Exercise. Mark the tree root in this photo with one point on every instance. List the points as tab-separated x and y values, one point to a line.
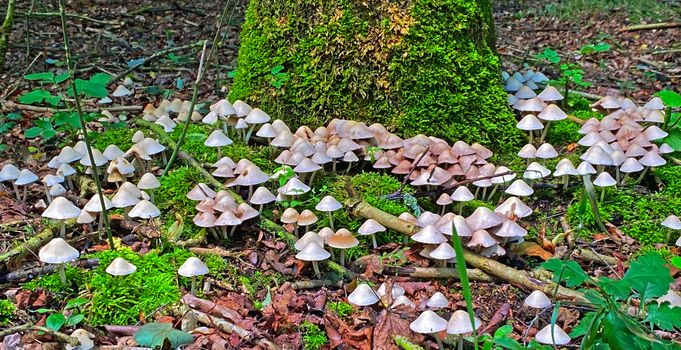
489	266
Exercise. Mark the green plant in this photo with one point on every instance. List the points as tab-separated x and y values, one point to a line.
162	335
590	49
313	337
57	320
570	73
611	321
672	100
7	311
502	340
278	77
340	308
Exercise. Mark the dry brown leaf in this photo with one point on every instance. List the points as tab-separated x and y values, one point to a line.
532	249
387	325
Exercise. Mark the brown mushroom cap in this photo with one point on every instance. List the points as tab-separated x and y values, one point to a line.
342	239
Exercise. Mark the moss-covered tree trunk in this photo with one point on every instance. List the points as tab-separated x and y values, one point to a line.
5	31
417	66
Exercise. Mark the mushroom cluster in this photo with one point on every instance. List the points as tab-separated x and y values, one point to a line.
218	212
168	113
18	178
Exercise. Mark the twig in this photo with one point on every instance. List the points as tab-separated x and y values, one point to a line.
29	326
15	86
313	284
651	26
69	15
154	56
39	271
413	167
32	244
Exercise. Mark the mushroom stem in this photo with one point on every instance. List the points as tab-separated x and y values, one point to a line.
311	178
643	173
342	258
439	342
224	125
69	182
295	229
250	192
347	171
47	194
373	240
484	193
546	130
126	211
232	230
624	179
460	207
565	182
333	161
193	291
617	174
62	229
23	198
494	190
219	152
317	273
529	140
475	195
165	159
62	274
248	134
330	219
260	208
460	347
602	194
16	191
669	235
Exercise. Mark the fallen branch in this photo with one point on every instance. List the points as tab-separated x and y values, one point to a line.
154	56
32	244
210	308
651	26
73	341
313	284
224	326
594	257
437	273
69	15
221	252
40	271
586	94
17	106
492	267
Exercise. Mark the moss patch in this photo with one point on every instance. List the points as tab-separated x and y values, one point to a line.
121	137
417	66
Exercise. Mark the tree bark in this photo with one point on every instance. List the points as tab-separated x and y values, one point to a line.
5	32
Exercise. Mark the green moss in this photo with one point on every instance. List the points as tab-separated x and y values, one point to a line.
7	312
340	308
313	337
416	66
122	300
670	175
121	137
171	197
75	279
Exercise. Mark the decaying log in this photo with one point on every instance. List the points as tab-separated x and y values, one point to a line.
494	268
224	326
44	270
221	252
34	243
438	272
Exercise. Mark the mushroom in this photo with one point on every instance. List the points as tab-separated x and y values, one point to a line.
650	160
94	205
193	267
539	301
462	194
86	217
148	182
462	323
604	180
342	239
565	168
262	196
519	188
144	210
314	253
363	295
217	139
546	151
306	218
57	191
429	322
290	216
294	187
58	252
120	267
552	335
126	197
307	166
67	172
671	222
631	165
328	204
370	228
121	91
61	210
50	181
254	117
443	201
25	178
550	113
443	253
402	300
307	238
429	235
437	301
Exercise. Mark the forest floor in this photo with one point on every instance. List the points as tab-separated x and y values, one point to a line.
256	284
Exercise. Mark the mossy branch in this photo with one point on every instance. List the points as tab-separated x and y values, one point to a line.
33	244
492	267
5	31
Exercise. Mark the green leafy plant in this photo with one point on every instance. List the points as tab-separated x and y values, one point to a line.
341	308
611	321
571	74
70	316
159	335
278	77
502	340
594	48
7	311
313	337
7	123
672	100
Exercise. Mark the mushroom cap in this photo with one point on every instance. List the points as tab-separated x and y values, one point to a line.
306	218
224	161
427	218
604	180
227	218
144	210
257	116
631	165
525	92
596	155
444	251
428	322
148	182
121	91
519	188
57	251
512	84
672	222
460	323
585	168
25	177
51	180
672	297
342	239
241	108
402	300
57	190
462	194
306	166
530	122
223	108
326	233
546	151
653	132
363	295
112	152
370	227
250	176
429	235
395	291
217	139
565	167
266	131
444	199
483	218
651	159
97	155
538	300
536	171
308	237
312	251
437	301
122	199
513	206
69	155
241	124
655	103
481	238
550	93
545	336
463	229
294	187
528	151
510	229
200	192
262	196
552	113
290	216
86	217
120	267
202	219
192	267
61	209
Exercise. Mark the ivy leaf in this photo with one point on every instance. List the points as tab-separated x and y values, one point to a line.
670	98
674	139
648	276
664	316
572	273
74	319
55	321
33	132
35	96
155	334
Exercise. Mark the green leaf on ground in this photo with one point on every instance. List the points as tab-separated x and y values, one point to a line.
664	316
648	276
572	274
155	334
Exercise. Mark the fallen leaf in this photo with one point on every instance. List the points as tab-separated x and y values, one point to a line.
387	325
335	338
531	249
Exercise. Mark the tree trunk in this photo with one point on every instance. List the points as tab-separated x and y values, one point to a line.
5	31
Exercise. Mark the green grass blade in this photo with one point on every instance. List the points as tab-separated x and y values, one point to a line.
465	284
